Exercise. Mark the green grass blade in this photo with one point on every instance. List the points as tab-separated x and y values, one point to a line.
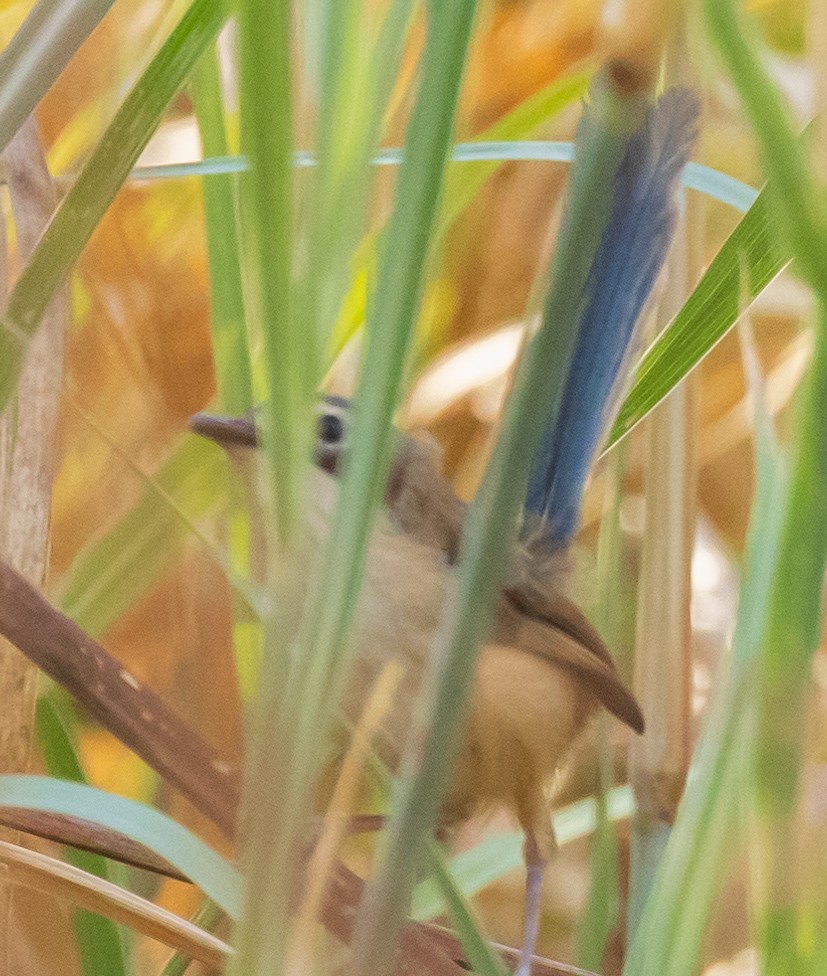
267	201
98	939
490	524
478	950
708	831
229	332
750	259
357	78
320	668
207	917
87	201
496	856
794	613
213	874
42	47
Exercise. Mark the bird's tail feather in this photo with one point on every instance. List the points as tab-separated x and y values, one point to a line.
627	261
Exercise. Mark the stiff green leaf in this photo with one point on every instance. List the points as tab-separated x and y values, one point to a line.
212	873
110	164
42	47
750	259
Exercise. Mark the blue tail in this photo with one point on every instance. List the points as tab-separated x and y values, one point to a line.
632	250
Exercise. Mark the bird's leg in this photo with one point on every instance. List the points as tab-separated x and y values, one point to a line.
535	863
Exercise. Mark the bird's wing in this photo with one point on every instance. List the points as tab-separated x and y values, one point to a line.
551	627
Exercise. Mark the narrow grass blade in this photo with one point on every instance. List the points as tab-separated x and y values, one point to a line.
110	164
794	613
477	948
214	875
38	52
298	749
229	333
267	202
705	837
752	255
206	918
496	856
490	524
98	940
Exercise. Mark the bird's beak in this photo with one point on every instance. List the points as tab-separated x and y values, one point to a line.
226	431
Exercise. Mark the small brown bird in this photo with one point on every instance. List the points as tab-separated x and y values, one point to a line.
541	674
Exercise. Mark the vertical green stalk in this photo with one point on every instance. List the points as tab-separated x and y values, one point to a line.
489	531
296	739
357	79
266	197
794	611
791	637
265	98
229	335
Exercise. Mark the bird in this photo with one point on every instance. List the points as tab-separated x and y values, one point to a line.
542	672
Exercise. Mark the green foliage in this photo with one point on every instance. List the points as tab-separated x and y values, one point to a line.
213	874
229	331
747	262
487	532
477	948
98	941
794	605
708	833
86	202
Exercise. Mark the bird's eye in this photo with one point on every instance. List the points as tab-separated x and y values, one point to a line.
331	429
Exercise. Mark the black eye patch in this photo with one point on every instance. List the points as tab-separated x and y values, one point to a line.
331	429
